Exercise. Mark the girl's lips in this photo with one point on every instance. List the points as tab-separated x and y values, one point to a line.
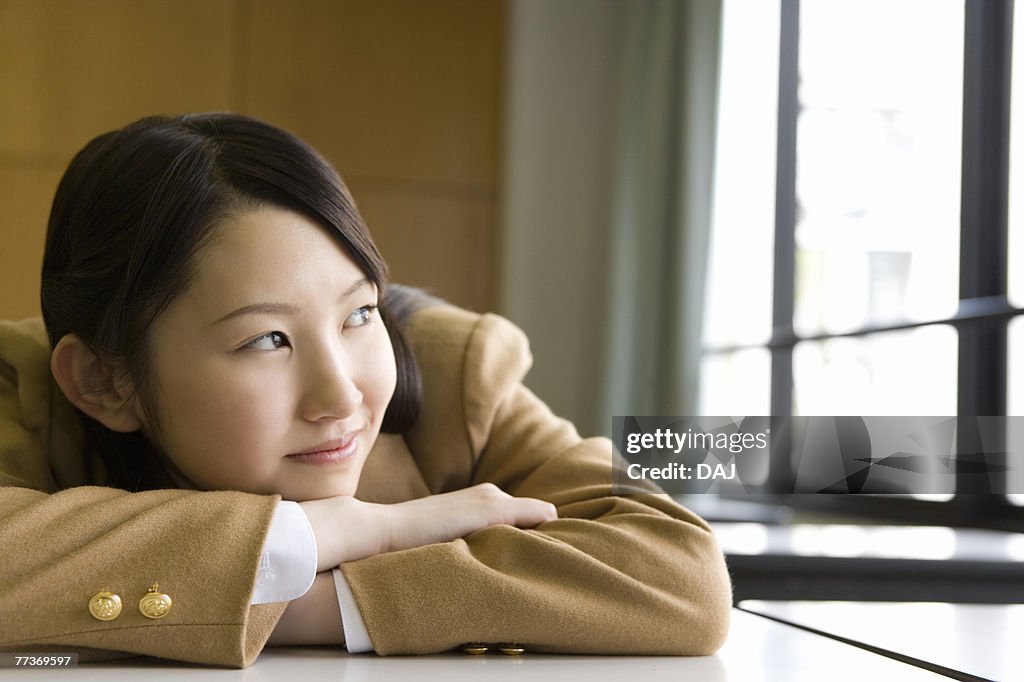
332	452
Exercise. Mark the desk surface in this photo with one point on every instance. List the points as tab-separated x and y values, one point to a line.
758	650
976	639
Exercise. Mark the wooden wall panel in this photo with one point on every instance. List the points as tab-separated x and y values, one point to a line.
25	195
74	68
405	89
439	242
403	96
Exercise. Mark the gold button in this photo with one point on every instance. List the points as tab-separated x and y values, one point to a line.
475	648
105	606
155	604
511	648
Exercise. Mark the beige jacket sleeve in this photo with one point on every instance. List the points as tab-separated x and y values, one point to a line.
613	574
60	547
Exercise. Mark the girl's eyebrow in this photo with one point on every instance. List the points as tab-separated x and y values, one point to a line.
282	308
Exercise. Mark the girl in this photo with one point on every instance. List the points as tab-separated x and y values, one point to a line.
233	431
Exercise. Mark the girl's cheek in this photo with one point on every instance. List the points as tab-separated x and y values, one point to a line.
383	370
227	408
252	413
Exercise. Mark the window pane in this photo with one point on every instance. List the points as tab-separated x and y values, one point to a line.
1015	401
897	373
739	288
1015	367
736	384
1016	222
878	162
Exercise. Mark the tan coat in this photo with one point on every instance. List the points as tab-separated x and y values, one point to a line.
627	575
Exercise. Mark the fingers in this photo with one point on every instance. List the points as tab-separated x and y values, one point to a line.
498	507
530	512
447	516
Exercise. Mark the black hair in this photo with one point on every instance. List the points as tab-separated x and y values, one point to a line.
132	211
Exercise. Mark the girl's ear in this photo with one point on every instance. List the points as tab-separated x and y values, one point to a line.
94	386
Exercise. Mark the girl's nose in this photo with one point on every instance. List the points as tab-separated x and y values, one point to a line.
330	391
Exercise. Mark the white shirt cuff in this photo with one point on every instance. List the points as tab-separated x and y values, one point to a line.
288	563
357	639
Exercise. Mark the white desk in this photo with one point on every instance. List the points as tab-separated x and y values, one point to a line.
758	650
976	639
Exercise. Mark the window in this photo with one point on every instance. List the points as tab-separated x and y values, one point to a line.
867	257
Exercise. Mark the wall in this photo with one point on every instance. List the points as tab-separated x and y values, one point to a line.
402	96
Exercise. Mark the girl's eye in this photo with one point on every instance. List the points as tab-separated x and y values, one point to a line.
361	316
269	341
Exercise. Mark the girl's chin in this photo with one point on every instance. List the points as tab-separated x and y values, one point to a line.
315	486
318	491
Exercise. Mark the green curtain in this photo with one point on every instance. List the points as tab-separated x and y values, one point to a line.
660	207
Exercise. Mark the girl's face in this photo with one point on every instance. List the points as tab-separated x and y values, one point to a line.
273	370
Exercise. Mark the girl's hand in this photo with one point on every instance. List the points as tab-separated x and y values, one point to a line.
347	529
444	517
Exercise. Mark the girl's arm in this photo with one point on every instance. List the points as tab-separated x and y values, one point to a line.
201	548
347	529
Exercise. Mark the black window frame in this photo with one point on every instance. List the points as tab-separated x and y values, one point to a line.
984	312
